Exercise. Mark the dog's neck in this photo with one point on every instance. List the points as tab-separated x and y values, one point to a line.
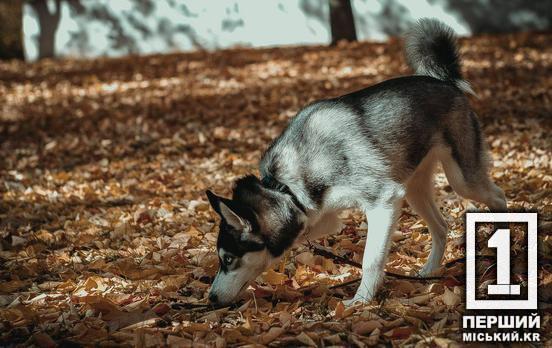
295	226
272	183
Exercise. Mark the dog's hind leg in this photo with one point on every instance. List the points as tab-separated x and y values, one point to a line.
466	162
474	184
419	194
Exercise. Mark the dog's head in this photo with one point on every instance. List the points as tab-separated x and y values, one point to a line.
257	225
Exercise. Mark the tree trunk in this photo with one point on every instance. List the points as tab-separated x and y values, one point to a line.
11	29
48	26
342	21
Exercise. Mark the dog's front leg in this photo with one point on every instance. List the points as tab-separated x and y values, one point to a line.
381	223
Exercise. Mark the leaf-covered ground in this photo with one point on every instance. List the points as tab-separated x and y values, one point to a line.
106	236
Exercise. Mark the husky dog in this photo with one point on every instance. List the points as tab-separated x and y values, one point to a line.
370	149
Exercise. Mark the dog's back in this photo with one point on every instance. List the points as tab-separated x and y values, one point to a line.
345	147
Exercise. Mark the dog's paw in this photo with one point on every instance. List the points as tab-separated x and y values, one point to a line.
356	300
430	270
426	272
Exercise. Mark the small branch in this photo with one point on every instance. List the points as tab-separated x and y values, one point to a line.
342	285
181	305
318	250
404	276
200	307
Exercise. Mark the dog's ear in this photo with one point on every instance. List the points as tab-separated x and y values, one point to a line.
214	200
232	218
222	208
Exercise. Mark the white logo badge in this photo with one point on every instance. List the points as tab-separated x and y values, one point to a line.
500	240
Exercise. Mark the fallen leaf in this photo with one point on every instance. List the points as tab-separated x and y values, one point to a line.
306	340
450	298
365	327
271	335
274	278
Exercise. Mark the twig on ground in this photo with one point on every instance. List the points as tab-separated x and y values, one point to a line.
183	305
342	285
318	250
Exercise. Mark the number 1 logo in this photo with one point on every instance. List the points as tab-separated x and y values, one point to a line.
500	240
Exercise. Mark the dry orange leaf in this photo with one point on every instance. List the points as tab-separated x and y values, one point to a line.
274	278
366	327
450	298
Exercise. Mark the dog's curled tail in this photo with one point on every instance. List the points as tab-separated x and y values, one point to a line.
431	50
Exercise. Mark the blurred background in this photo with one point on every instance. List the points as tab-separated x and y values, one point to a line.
104	163
34	29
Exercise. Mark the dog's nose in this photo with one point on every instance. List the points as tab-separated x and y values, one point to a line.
213	298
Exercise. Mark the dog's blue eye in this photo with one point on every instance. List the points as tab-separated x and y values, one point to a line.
228	260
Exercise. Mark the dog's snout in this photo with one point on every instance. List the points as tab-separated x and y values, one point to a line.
213	298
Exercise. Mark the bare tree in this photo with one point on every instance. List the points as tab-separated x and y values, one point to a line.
11	29
342	21
48	26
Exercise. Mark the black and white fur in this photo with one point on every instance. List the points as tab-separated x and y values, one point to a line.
370	149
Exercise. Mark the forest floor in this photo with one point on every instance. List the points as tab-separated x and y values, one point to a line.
106	236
